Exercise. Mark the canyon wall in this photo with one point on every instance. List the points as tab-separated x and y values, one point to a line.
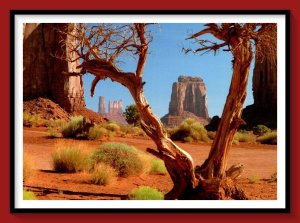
42	72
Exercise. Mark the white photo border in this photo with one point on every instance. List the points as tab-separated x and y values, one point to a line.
280	17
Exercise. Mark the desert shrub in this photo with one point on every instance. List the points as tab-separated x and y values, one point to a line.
211	135
268	138
253	179
190	129
188	139
235	141
69	159
96	133
124	158
28	195
158	167
33	120
146	193
261	130
73	127
27	167
57	124
53	133
131	131
103	174
112	127
137	131
244	137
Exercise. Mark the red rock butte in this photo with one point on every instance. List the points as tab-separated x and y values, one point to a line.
188	100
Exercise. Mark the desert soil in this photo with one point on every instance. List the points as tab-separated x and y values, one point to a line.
260	163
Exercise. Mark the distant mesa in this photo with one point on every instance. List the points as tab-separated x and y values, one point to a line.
188	100
115	110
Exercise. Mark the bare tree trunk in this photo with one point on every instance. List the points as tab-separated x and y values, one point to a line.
216	163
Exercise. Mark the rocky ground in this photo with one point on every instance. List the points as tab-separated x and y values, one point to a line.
49	110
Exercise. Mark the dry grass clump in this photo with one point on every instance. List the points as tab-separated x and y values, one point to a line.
73	127
114	127
97	132
69	158
103	174
146	193
33	120
273	178
244	137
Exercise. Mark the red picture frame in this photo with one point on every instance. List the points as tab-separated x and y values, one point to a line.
5	216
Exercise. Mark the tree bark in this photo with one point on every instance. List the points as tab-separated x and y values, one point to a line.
216	163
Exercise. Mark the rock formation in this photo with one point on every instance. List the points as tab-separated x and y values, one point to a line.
264	84
188	100
42	72
101	105
115	110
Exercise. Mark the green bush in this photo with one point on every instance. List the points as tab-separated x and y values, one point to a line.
253	179
190	130
132	115
124	158
268	138
158	167
261	130
103	174
28	195
146	193
68	160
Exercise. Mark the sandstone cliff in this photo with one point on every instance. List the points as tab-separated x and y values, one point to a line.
188	100
42	73
264	84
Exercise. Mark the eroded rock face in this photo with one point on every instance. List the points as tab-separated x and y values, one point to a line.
264	82
42	72
188	99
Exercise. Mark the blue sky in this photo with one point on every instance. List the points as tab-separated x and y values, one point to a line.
165	63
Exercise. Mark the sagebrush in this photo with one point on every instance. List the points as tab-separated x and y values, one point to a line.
124	158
